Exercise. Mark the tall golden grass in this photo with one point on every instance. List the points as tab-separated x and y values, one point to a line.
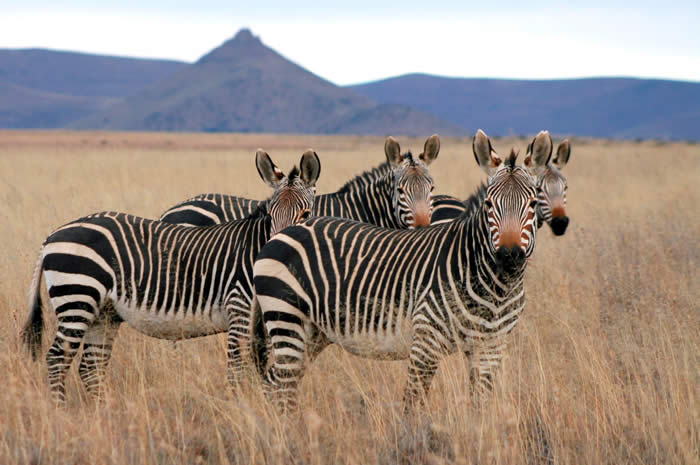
602	369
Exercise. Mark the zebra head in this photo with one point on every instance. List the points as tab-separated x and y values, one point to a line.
294	194
551	186
411	193
511	199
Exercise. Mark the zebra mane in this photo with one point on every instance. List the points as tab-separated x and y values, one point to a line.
293	174
367	177
476	198
510	161
260	211
474	201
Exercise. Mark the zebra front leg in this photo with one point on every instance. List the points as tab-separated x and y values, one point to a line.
485	363
238	311
422	365
97	350
288	349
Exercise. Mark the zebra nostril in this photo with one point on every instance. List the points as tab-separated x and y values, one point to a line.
559	225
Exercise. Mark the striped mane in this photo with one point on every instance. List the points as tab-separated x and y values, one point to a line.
365	178
474	201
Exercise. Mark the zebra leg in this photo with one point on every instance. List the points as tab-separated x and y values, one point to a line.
74	319
238	311
484	365
97	350
316	342
422	365
288	349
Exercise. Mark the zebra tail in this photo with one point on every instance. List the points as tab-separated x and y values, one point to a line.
34	327
259	349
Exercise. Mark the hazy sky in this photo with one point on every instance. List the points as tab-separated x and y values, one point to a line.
367	40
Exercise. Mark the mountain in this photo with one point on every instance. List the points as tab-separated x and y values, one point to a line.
49	89
245	86
599	107
21	107
71	73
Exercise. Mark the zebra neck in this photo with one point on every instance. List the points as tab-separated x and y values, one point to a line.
369	201
259	222
475	263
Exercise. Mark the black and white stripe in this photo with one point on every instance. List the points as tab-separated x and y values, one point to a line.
396	194
166	281
392	294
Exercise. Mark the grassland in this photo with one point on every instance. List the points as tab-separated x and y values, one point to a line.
603	369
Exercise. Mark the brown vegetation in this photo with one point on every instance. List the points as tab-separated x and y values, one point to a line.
602	369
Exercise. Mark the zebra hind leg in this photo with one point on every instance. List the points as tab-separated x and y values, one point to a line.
288	349
97	350
73	323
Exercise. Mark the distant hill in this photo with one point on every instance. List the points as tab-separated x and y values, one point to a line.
82	74
244	86
599	107
49	89
22	108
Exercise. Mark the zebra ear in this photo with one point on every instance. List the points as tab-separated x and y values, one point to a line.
267	170
539	151
310	166
485	155
430	149
392	149
563	153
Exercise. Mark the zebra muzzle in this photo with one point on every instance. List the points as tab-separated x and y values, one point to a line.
559	224
510	259
421	217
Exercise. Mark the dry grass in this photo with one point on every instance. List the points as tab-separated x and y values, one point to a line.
602	369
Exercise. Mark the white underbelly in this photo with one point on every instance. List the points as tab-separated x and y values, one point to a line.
172	325
392	345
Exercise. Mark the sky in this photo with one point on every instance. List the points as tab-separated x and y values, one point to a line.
361	41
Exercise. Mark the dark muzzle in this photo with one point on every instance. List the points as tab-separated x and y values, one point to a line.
510	259
559	224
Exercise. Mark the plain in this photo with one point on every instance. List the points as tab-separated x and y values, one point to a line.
604	367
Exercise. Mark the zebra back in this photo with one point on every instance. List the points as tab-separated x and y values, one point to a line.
395	194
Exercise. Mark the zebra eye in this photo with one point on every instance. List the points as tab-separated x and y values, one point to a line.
304	215
533	204
400	191
488	203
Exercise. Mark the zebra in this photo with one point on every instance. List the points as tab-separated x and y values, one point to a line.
396	194
551	191
551	195
166	281
393	294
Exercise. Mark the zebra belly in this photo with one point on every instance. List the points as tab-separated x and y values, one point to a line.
389	345
172	325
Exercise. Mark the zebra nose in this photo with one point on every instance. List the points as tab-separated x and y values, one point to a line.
510	259
558	209
559	224
421	221
421	216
